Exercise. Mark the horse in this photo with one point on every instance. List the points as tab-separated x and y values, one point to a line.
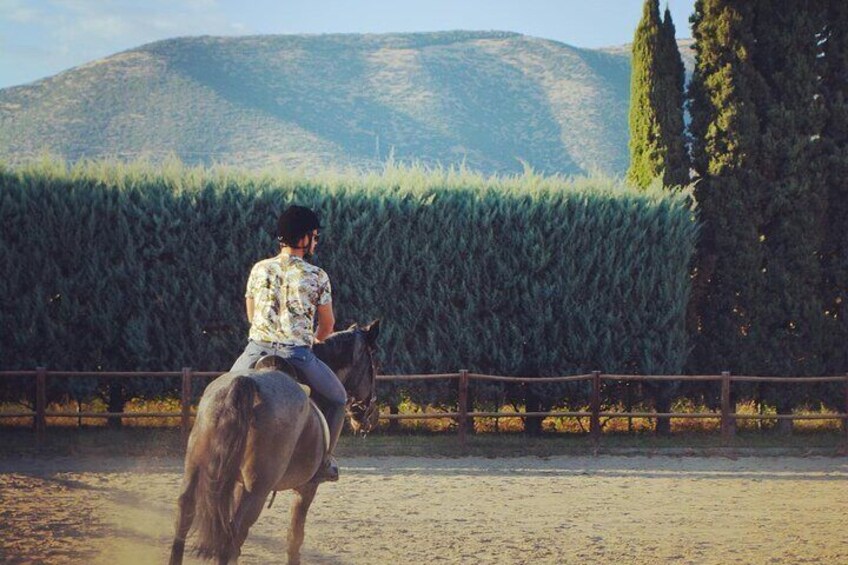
256	432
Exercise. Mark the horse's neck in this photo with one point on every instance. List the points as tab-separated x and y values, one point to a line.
342	373
335	358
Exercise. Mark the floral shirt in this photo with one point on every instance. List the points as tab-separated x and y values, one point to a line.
286	292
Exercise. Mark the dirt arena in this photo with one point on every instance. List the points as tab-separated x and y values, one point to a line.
469	510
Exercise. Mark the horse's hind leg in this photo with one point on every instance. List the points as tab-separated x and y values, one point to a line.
185	516
249	506
303	498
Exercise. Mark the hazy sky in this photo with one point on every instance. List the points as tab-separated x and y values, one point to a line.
39	38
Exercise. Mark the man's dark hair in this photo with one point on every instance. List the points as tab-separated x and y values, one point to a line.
294	223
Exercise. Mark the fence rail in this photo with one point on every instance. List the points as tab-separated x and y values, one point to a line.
463	416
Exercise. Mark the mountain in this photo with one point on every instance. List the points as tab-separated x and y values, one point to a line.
493	100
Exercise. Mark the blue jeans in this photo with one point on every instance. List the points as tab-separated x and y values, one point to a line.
318	375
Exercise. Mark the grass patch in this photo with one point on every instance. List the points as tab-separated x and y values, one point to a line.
164	442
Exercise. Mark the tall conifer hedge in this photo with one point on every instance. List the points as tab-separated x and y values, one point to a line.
126	267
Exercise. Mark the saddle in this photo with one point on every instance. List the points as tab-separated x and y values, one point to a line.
277	363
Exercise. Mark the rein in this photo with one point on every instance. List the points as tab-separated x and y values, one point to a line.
368	406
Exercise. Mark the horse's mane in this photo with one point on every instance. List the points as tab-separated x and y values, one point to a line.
335	350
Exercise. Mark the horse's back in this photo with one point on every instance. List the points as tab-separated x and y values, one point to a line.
287	439
280	412
276	389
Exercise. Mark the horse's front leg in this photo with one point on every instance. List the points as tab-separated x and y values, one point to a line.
303	497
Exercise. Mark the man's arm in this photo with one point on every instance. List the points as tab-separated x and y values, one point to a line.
326	322
248	303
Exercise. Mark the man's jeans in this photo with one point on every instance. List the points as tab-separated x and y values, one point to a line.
318	376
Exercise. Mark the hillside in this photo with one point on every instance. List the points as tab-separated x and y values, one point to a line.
489	99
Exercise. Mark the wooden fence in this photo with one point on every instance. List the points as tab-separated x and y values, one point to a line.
463	416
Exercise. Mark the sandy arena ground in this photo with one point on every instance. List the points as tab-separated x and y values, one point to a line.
470	510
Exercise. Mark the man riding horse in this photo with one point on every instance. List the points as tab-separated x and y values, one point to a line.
285	296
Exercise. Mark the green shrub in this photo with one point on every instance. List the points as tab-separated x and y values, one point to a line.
128	267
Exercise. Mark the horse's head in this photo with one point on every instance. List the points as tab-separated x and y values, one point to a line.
350	354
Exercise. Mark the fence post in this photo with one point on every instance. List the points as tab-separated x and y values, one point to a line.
727	427
595	419
463	405
845	410
185	404
40	402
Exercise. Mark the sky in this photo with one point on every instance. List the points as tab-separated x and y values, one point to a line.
39	38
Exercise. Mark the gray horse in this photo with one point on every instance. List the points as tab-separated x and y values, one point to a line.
256	432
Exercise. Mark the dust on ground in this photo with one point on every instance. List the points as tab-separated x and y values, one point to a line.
770	510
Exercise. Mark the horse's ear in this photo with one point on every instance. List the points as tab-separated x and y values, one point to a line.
372	331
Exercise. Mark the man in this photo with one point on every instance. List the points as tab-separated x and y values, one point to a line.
284	297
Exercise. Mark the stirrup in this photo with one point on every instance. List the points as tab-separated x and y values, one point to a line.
328	472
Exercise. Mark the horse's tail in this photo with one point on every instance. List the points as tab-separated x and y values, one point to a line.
216	481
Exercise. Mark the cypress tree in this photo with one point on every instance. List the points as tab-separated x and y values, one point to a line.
645	157
725	147
656	103
666	100
790	308
755	125
673	81
834	141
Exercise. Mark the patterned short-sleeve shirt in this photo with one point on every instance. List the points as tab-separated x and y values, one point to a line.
286	292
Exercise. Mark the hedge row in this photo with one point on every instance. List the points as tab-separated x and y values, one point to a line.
128	267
